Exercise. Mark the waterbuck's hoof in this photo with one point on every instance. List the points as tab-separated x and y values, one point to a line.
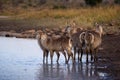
74	58
91	58
80	60
66	62
95	59
87	61
57	61
73	63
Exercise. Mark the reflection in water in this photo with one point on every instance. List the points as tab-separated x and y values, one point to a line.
51	72
80	71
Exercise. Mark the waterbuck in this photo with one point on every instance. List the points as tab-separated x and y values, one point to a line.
92	41
74	33
45	51
60	44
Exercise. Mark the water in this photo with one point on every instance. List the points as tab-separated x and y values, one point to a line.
21	59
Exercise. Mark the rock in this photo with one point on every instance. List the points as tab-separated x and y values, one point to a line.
12	31
29	31
5	34
17	35
111	24
39	31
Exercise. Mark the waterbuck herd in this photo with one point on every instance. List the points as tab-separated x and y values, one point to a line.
69	39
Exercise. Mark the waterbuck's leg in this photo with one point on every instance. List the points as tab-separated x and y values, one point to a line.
91	54
87	55
43	56
58	56
65	56
95	55
78	55
70	54
46	55
68	58
74	52
51	55
81	55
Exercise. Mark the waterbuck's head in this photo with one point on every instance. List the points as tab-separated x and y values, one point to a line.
99	29
41	34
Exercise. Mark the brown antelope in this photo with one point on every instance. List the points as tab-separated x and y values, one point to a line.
92	41
77	45
45	51
82	43
74	33
57	44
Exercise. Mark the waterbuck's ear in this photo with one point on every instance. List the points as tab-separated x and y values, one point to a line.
37	35
68	29
43	29
96	24
73	23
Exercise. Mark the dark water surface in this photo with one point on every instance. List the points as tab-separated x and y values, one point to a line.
21	59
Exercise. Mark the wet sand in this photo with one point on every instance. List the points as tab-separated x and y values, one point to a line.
21	59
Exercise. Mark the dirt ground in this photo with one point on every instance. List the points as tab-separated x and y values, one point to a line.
111	51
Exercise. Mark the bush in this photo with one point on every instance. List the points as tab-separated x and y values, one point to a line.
59	7
62	7
55	7
93	2
117	1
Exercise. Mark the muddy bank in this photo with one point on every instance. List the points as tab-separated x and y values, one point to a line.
111	51
12	33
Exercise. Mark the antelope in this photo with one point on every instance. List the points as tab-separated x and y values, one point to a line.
82	43
57	45
77	45
45	51
92	40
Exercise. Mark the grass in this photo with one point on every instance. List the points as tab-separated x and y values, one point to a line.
58	17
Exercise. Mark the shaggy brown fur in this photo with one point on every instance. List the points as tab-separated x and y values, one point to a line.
57	44
93	41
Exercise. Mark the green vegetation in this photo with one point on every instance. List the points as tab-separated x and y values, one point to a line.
83	16
56	14
93	2
117	1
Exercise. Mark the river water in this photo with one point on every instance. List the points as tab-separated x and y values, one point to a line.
22	59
